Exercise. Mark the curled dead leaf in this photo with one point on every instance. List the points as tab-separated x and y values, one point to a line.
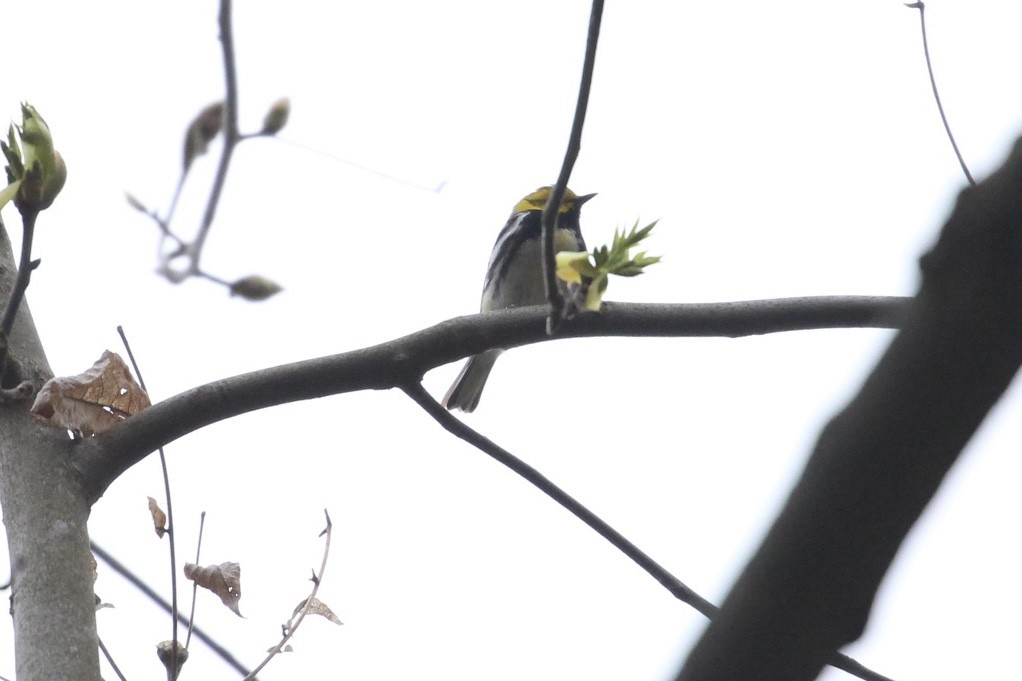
317	607
286	649
94	401
159	518
224	580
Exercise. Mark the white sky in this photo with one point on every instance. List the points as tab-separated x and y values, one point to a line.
787	148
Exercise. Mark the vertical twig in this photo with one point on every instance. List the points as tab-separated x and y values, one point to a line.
231	136
170	516
195	585
25	267
552	210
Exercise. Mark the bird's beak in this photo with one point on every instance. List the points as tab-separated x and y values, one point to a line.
582	199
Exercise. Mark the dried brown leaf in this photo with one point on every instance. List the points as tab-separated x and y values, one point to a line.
318	607
94	401
224	580
286	649
159	518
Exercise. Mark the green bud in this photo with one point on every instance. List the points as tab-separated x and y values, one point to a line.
255	287
38	188
35	170
276	117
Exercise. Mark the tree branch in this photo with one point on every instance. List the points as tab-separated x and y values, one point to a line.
553	204
936	93
675	586
25	267
810	586
231	135
395	363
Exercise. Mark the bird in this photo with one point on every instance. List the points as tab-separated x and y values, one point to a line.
514	278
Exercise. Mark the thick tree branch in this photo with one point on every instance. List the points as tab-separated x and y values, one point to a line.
809	589
395	363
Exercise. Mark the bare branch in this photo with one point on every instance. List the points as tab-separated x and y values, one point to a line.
25	267
396	363
171	541
936	95
110	660
459	429
878	463
231	136
553	205
295	622
675	586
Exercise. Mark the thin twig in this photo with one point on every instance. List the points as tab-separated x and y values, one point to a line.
547	487
316	581
173	203
231	135
675	586
195	585
25	267
110	659
936	95
170	514
553	206
147	590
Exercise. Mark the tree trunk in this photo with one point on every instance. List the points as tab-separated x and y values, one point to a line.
45	512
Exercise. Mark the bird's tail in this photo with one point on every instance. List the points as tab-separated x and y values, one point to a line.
467	388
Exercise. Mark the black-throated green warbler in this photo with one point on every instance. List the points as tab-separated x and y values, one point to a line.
514	278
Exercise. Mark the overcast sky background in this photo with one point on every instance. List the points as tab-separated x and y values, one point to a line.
788	149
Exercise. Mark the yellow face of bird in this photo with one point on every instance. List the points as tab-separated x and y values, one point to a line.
537	200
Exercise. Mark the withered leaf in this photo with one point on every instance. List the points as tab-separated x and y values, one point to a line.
224	580
94	401
317	607
286	649
159	518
